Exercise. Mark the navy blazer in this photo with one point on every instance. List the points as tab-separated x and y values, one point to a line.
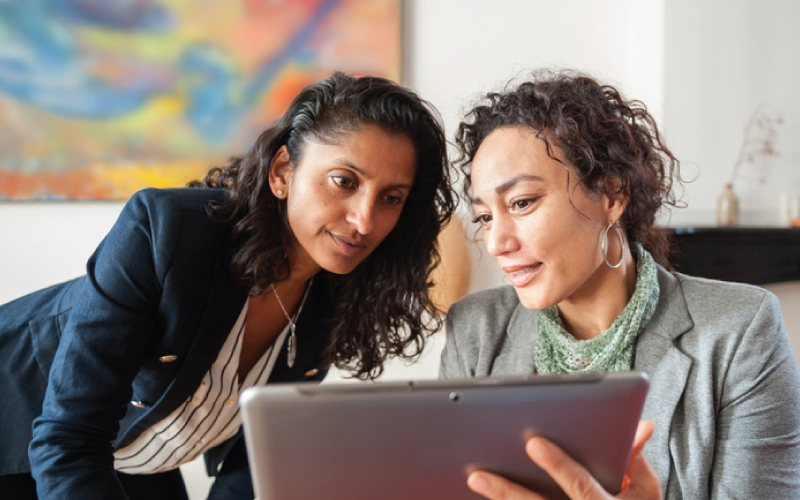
143	326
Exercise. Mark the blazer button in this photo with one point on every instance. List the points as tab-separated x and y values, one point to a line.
311	372
138	404
169	358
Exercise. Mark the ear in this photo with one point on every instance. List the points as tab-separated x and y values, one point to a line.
615	199
280	169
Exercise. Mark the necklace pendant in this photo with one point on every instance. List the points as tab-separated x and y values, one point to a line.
291	344
291	349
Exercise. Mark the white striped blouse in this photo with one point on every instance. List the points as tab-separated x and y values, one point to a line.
206	419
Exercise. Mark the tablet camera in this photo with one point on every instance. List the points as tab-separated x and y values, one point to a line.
455	397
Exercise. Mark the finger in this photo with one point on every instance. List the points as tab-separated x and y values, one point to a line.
641	479
495	487
643	432
635	465
573	478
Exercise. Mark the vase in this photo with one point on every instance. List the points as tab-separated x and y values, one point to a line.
451	279
727	207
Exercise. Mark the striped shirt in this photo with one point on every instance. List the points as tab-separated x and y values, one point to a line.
208	418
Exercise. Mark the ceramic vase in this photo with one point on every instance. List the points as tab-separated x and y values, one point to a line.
452	277
727	207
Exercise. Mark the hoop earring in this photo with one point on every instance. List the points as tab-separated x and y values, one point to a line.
604	241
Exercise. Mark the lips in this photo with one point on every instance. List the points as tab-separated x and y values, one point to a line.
347	245
522	275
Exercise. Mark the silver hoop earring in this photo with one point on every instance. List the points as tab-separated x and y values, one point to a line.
604	241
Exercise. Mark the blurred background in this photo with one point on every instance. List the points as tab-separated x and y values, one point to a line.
98	99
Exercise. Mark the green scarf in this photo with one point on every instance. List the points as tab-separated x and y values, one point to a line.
557	351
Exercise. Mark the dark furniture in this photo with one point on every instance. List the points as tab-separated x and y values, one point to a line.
756	255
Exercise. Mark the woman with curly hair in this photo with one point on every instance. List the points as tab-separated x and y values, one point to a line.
565	178
314	248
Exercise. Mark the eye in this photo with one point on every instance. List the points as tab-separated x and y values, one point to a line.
482	219
394	200
521	204
344	181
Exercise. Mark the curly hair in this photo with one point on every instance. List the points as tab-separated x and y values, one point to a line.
383	307
602	135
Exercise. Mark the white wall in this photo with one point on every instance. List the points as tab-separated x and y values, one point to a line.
45	243
701	66
722	60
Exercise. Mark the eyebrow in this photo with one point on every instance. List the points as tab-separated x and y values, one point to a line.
502	188
346	163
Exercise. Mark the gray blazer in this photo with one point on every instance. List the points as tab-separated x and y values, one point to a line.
724	384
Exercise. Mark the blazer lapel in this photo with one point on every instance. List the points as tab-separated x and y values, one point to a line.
667	366
225	301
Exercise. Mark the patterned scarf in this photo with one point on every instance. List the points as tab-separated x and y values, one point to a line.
557	351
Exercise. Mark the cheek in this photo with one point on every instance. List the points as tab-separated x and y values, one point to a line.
311	204
543	230
385	223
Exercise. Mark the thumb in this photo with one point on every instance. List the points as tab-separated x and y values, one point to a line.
641	481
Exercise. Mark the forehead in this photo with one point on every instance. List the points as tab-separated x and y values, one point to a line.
370	150
510	153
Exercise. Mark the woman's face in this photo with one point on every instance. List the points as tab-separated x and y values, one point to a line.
343	199
548	248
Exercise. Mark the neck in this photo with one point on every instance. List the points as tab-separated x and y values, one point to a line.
301	269
590	312
301	266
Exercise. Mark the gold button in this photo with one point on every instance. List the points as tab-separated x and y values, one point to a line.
311	372
228	402
169	358
138	404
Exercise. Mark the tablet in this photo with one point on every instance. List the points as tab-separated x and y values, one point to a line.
421	439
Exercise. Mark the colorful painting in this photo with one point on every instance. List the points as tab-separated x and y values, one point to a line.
100	98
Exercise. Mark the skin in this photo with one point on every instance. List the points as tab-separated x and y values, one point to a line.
641	481
545	229
342	200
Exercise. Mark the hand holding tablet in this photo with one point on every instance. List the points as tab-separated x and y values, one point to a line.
641	481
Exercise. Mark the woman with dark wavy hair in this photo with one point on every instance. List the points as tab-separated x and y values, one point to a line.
566	177
314	248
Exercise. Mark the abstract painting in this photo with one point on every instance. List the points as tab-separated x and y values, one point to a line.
100	98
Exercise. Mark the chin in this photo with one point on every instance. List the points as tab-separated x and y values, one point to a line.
337	267
532	301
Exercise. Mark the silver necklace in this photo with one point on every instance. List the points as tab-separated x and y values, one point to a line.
291	346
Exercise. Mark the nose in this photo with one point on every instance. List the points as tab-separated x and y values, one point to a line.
500	237
361	215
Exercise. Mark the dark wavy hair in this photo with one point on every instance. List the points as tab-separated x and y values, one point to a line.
601	134
383	307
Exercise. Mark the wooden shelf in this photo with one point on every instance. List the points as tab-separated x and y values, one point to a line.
756	255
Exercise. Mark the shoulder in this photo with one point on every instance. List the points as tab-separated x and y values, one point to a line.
715	319
490	316
495	305
184	199
720	291
725	303
155	224
489	333
164	212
